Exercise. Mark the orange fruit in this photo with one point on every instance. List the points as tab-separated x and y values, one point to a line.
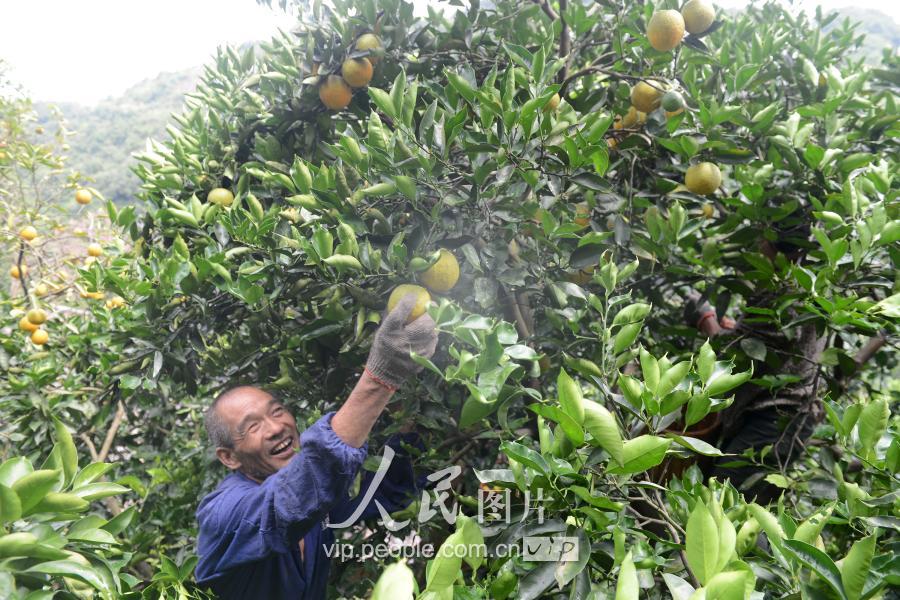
37	316
220	196
357	72
634	117
39	337
95	250
83	196
703	178
334	93
553	103
422	299
370	42
698	15
646	97
443	274
665	30
14	271
28	233
26	325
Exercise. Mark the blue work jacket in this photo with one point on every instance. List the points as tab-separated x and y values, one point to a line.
249	538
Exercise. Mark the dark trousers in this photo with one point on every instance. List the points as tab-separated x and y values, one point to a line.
786	430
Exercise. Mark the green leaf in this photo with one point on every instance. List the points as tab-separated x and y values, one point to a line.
769	524
525	455
68	453
462	86
570	396
641	453
672	377
626	336
754	348
70	568
810	529
650	370
723	380
32	488
474	409
603	427
627	586
471	536
816	560
855	568
706	362
632	313
567	570
728	585
702	543
10	505
872	423
383	101
444	568
14	469
397	582
102	489
678	587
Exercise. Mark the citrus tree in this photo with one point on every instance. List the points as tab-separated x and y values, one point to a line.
554	181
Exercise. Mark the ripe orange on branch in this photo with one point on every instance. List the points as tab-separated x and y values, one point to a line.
334	93
28	233
443	274
646	97
37	316
220	196
665	30
422	299
83	196
95	250
698	15
703	178
26	325
357	72
370	42
15	273
40	337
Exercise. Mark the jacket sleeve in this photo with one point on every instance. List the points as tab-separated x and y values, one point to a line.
247	525
695	306
395	492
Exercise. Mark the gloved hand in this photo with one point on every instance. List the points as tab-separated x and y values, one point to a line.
389	360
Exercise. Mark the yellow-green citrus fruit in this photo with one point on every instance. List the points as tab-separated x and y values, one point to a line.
15	273
28	233
357	72
582	214
633	117
39	337
672	101
220	196
370	41
708	210
26	325
95	250
443	274
83	197
553	103
422	299
334	93
115	302
703	178
698	15
41	289
646	97
665	30
670	114
37	316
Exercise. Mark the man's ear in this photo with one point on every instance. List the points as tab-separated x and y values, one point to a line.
226	457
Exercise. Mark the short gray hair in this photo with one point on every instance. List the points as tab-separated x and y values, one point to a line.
216	428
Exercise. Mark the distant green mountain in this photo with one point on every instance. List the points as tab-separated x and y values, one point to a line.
881	31
107	134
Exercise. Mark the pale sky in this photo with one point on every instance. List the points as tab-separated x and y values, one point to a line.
86	50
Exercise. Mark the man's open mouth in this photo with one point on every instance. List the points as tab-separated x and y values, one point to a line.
285	446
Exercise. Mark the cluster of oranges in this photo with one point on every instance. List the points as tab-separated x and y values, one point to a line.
665	32
440	277
32	321
336	91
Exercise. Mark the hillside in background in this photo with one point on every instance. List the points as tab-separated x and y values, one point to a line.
107	134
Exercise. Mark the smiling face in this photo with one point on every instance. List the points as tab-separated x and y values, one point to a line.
264	433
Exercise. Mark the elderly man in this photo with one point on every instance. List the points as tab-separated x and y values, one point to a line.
261	531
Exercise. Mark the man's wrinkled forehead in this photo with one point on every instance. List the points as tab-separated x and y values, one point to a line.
242	403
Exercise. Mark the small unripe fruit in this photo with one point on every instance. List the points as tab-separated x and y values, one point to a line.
646	97
552	104
95	250
672	101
